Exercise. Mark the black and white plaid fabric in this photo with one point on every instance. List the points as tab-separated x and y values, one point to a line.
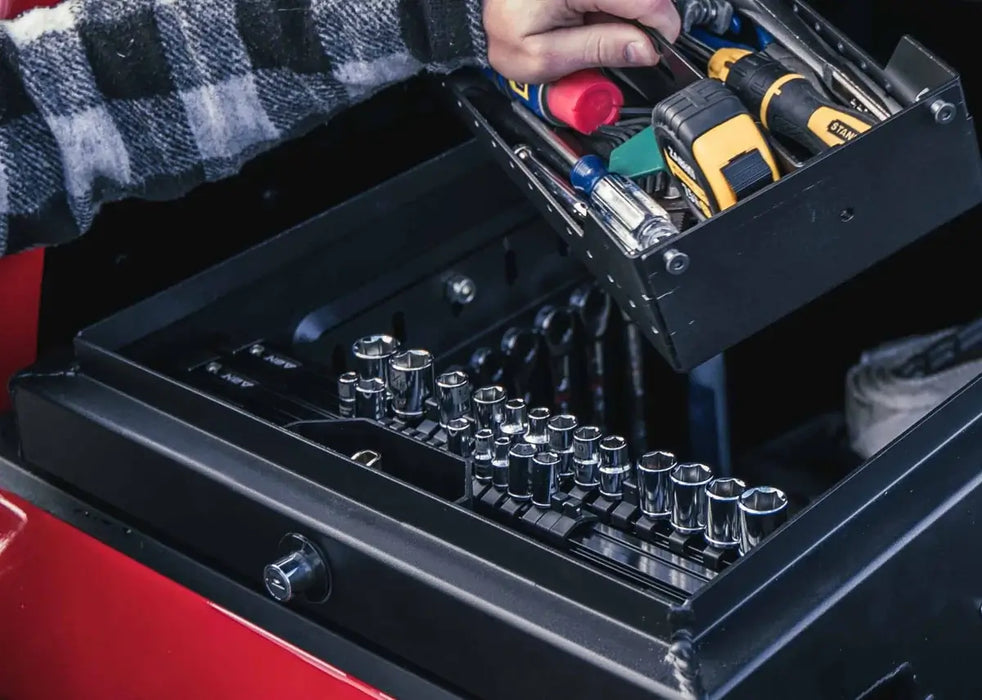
105	99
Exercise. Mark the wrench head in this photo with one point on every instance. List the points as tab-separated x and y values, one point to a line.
593	307
558	328
521	346
488	366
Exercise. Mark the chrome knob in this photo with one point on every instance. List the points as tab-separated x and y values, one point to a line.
302	571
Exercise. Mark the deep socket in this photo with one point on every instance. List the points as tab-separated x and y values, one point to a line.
371	398
460	437
489	407
615	466
561	429
723	512
655	484
520	470
538	431
689	497
499	463
544	466
347	394
453	396
762	511
586	456
483	455
411	383
516	422
372	354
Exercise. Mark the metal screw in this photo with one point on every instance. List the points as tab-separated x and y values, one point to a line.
461	290
944	112
676	262
213	367
257	350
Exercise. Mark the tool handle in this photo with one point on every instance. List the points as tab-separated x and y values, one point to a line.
622	200
798	112
788	105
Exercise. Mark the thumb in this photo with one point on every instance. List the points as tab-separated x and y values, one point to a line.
600	45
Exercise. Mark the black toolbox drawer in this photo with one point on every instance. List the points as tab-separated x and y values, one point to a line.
483	605
798	238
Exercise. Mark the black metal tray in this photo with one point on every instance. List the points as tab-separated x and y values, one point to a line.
796	239
420	579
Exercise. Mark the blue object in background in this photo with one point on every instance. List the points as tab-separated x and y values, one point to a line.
716	42
709	419
764	38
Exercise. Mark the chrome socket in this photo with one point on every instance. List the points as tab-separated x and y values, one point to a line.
561	429
655	484
762	511
489	407
483	455
689	497
411	383
500	454
586	456
538	430
347	394
520	470
723	512
372	354
460	437
453	396
544	466
516	422
371	399
615	466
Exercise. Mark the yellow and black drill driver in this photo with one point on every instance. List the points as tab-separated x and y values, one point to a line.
712	146
787	103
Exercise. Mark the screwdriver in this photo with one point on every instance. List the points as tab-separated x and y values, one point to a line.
632	215
786	103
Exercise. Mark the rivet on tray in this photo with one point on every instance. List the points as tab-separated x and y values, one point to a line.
631	302
676	262
589	255
944	112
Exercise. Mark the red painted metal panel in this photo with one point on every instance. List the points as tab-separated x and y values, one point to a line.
20	281
80	620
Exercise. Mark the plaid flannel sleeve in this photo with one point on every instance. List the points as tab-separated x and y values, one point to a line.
106	99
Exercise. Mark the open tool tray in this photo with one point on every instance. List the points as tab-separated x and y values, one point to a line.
421	573
796	239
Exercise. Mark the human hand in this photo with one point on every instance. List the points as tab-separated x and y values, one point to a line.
537	41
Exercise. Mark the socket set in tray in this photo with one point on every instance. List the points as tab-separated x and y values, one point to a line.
553	475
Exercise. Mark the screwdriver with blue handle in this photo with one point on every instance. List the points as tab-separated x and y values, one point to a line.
629	212
786	103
